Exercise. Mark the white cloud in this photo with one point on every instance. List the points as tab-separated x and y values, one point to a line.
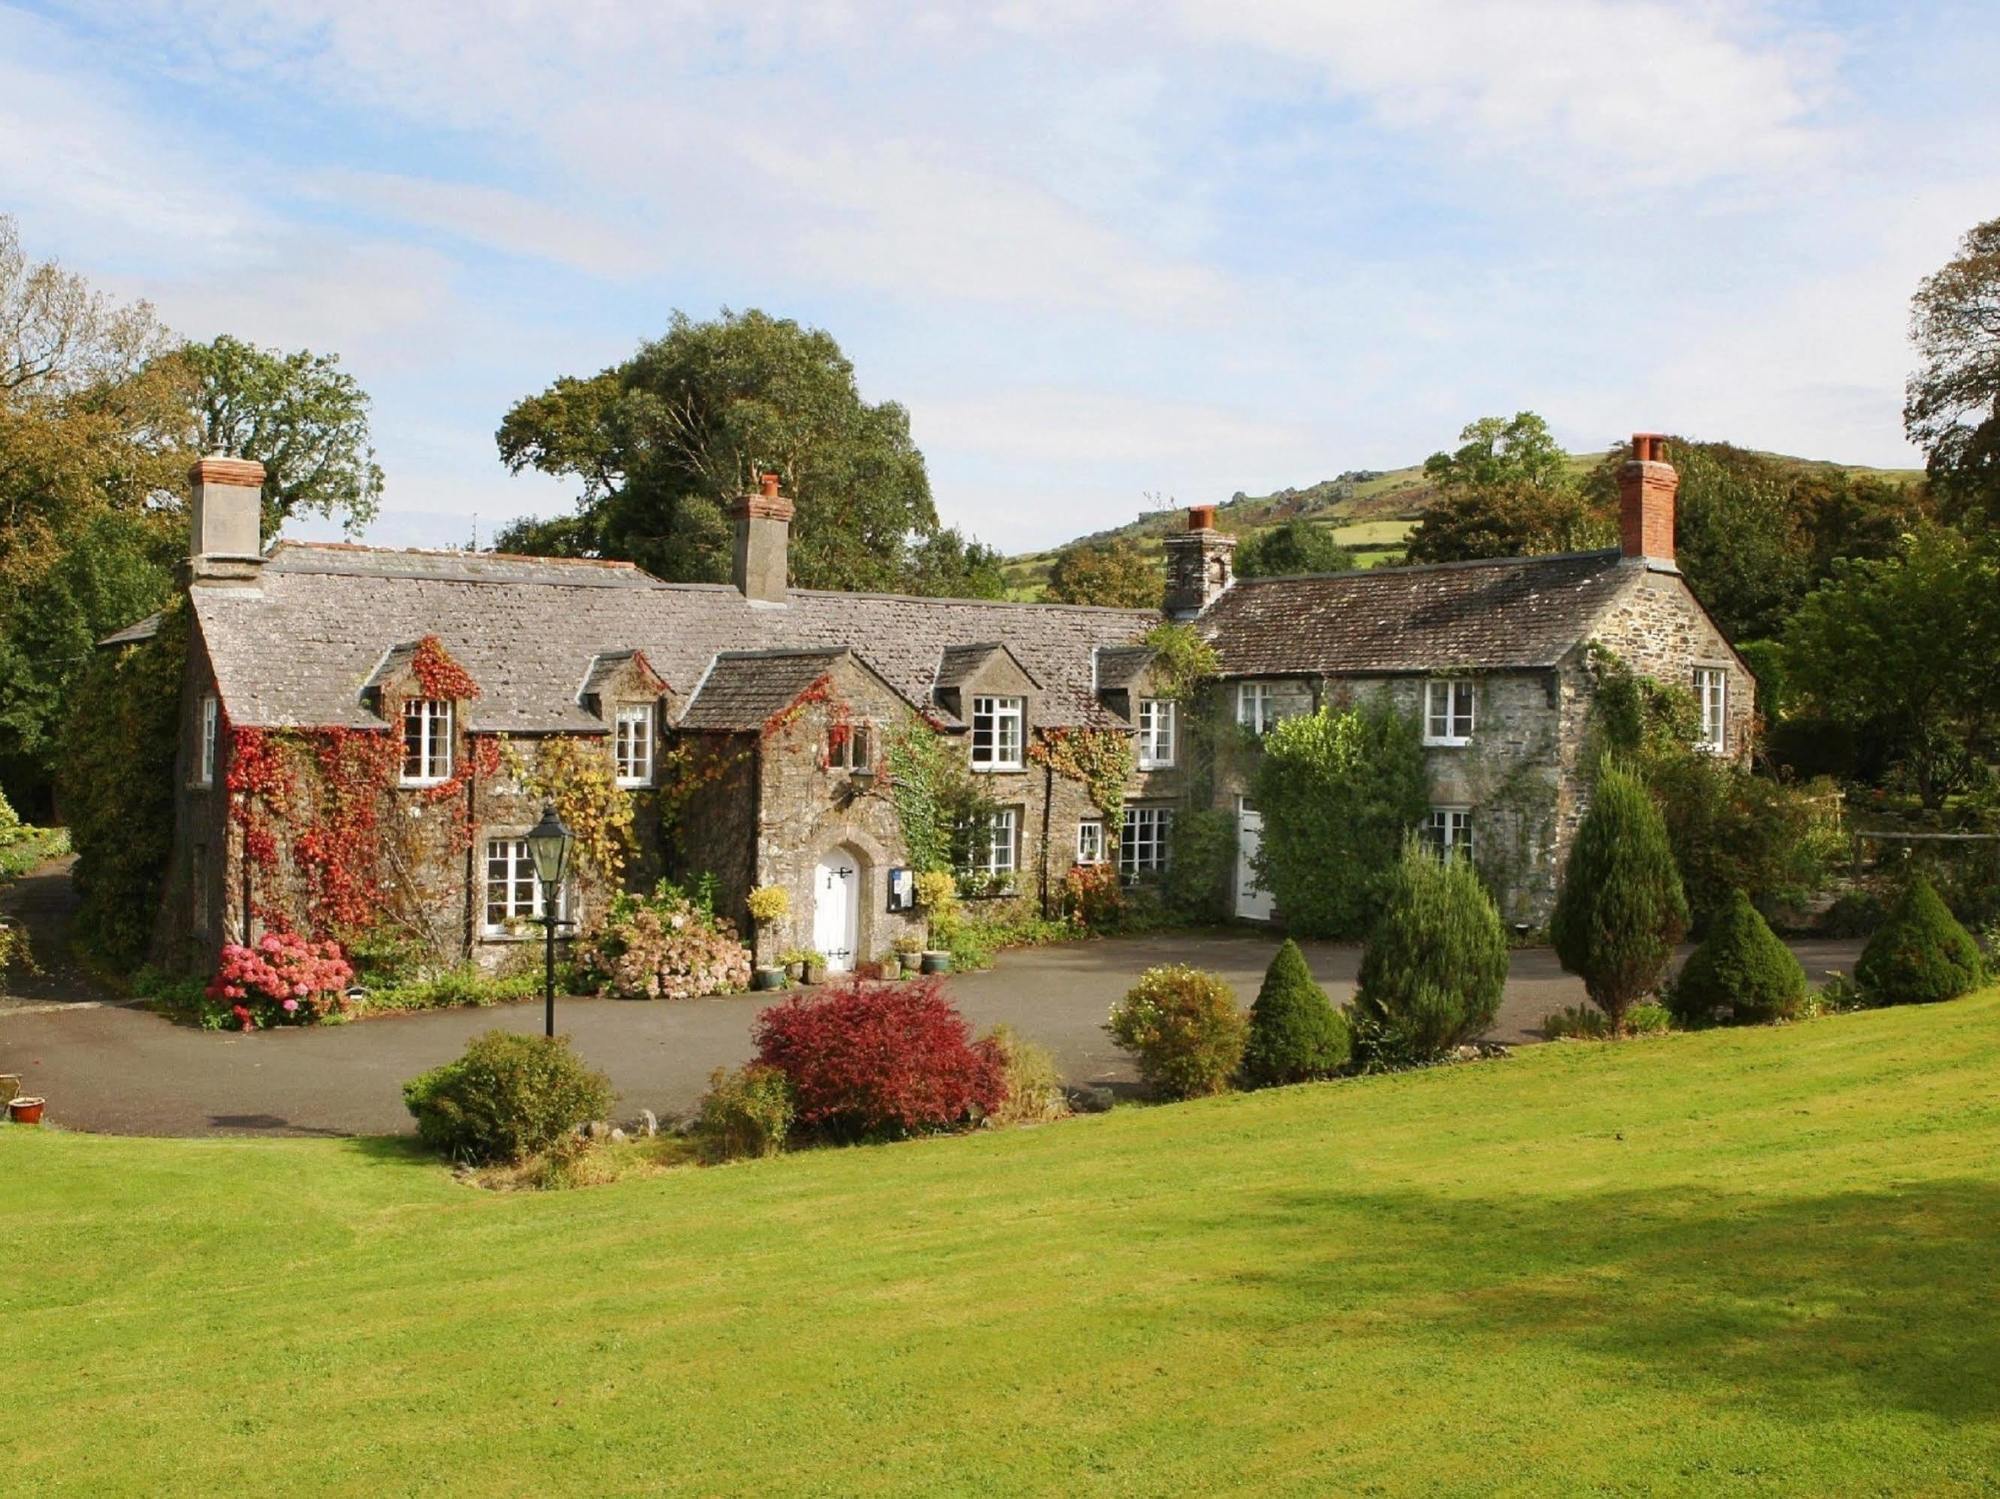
1655	92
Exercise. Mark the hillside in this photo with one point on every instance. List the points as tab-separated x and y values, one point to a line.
1752	1260
1370	511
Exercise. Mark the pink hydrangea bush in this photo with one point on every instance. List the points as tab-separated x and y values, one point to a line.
668	945
280	979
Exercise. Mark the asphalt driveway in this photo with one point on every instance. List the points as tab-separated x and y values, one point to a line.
125	1070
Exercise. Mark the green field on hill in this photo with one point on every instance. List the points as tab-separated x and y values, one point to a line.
1738	1261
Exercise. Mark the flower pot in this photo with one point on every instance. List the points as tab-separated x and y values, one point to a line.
815	973
767	979
26	1110
891	969
937	961
909	961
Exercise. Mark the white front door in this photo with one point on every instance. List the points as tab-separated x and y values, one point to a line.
837	911
1253	901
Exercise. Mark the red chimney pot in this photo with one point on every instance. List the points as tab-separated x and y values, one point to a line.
769	482
1201	517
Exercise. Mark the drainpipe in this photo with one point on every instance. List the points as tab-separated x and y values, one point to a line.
1048	796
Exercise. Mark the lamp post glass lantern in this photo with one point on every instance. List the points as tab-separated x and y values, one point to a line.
548	849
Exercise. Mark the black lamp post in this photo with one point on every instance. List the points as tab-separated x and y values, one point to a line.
548	848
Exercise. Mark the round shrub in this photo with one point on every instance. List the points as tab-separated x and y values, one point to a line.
1184	1030
507	1098
1034	1086
1920	954
1295	1032
1622	909
1740	970
1435	968
746	1113
869	1061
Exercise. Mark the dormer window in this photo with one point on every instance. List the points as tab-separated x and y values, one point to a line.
997	735
632	744
426	741
1448	711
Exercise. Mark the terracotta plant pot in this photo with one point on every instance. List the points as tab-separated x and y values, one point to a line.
892	969
937	961
26	1110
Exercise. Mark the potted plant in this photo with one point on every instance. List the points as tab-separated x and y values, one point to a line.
26	1110
937	960
815	968
909	951
937	896
767	976
769	905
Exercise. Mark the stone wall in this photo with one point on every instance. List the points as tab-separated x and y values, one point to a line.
1657	625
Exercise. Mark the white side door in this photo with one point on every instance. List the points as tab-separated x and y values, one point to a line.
836	911
1253	901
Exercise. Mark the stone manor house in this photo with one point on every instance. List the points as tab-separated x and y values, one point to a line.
770	706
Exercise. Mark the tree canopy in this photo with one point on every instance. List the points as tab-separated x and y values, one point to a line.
1112	573
662	445
1506	491
1298	546
1952	402
101	412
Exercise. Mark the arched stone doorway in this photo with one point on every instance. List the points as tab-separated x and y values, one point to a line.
840	898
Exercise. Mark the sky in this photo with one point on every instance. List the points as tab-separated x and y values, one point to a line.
1107	254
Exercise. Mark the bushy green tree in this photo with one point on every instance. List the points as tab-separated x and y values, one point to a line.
663	444
1295	1032
1621	909
1506	491
1289	550
1113	573
1906	651
1740	969
1435	968
1952	405
1338	790
1920	954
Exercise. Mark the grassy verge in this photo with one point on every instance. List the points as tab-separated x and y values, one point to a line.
1755	1260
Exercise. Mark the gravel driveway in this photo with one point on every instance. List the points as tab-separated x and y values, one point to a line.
125	1070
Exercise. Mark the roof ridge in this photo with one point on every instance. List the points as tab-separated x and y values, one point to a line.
1429	567
350	547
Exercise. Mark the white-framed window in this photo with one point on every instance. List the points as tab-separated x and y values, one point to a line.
995	842
997	732
1142	841
1711	690
512	892
1448	711
426	741
211	731
1448	832
850	746
1090	841
1257	706
1157	717
632	744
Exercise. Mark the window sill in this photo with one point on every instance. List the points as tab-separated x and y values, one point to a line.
990	770
423	785
644	785
1448	743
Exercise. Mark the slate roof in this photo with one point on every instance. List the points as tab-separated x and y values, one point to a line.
134	634
1119	666
1506	612
743	689
296	649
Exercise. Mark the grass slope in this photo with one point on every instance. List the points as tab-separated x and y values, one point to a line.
1734	1261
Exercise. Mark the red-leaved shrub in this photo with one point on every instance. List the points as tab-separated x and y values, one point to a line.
281	980
873	1060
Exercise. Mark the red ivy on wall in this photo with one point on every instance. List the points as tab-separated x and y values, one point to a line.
439	675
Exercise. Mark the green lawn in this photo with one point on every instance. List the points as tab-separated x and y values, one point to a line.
1752	1260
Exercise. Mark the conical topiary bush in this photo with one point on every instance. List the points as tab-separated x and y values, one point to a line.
1436	963
1740	970
1295	1032
1920	954
1622	908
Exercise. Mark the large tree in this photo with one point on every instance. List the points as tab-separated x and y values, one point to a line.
300	415
1289	550
1906	651
1112	573
1952	403
101	411
1506	491
662	444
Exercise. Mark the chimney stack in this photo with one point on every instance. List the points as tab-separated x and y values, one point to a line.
1647	484
226	511
1199	566
763	533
